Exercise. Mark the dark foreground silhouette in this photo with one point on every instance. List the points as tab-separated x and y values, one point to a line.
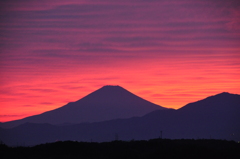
155	148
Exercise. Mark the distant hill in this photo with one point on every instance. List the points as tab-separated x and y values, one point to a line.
106	103
216	117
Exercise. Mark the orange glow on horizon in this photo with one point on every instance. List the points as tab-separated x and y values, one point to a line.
162	84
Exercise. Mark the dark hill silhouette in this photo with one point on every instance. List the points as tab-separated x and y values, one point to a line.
221	102
215	117
153	149
106	103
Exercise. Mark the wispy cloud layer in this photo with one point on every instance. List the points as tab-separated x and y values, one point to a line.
154	46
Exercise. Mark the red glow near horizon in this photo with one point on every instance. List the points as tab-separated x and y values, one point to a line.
169	52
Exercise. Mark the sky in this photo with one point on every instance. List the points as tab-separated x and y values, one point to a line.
169	52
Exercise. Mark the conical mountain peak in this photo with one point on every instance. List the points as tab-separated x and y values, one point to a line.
110	88
107	103
114	96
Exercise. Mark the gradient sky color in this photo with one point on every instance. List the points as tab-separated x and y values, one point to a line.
170	52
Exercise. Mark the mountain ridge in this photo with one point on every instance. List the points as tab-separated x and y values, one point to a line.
194	123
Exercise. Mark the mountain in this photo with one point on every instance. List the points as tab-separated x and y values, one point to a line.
106	103
215	117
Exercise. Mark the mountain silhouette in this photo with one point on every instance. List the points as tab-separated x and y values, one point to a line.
221	103
106	103
215	117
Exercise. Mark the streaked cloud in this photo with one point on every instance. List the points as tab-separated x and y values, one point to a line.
46	103
174	48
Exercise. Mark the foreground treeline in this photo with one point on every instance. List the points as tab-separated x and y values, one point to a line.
156	148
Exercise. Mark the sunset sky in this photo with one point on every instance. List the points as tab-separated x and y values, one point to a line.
170	52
